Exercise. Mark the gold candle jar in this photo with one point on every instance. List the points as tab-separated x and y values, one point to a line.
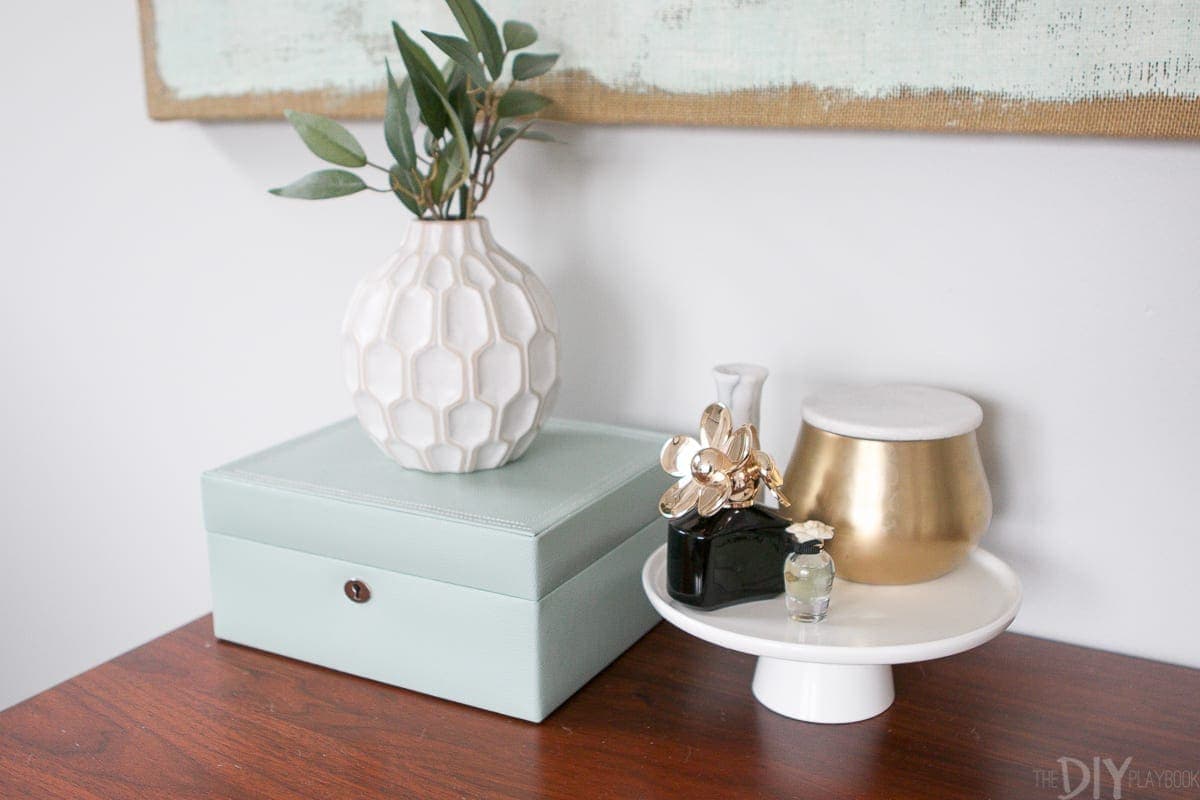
896	471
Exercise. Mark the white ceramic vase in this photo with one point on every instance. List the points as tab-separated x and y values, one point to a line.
739	388
451	350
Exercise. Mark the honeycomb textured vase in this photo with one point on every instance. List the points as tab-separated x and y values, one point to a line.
451	350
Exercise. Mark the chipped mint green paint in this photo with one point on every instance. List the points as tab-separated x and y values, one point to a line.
1026	50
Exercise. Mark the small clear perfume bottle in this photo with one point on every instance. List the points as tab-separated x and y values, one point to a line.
808	572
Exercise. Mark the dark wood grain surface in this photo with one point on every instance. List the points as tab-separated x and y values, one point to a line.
188	717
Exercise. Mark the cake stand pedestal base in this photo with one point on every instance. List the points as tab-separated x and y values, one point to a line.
840	669
828	693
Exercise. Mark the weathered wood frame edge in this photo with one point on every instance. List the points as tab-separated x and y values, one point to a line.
580	98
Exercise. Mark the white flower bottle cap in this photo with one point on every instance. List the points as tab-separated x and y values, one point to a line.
811	534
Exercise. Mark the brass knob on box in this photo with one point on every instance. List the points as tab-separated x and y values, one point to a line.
357	591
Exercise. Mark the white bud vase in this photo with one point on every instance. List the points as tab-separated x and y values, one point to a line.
739	388
451	350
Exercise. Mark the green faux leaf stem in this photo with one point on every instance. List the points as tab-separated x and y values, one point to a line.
446	128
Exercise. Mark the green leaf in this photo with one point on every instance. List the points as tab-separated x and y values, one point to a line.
427	81
455	174
493	50
411	205
405	187
464	106
520	103
439	179
463	54
407	179
480	31
327	139
518	35
540	136
462	152
322	184
509	130
508	137
464	192
397	130
530	65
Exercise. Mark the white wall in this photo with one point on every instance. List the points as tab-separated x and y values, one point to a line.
162	314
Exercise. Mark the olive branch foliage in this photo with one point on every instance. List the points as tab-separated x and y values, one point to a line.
470	118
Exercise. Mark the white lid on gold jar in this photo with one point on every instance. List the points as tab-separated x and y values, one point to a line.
893	413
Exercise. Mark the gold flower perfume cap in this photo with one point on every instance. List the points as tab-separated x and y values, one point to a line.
724	469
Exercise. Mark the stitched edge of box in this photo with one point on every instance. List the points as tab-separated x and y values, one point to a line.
622	475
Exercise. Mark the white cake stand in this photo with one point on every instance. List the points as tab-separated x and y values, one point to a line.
839	669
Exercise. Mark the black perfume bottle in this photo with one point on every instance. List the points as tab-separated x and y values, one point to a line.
734	556
722	548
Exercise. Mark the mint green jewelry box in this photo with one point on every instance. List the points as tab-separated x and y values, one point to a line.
506	589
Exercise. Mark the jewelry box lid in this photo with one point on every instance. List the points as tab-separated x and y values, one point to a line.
893	413
521	530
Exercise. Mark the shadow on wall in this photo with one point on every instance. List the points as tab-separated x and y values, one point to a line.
1015	475
1014	540
549	224
547	207
545	223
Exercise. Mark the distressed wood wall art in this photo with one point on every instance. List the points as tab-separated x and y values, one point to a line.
1118	68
